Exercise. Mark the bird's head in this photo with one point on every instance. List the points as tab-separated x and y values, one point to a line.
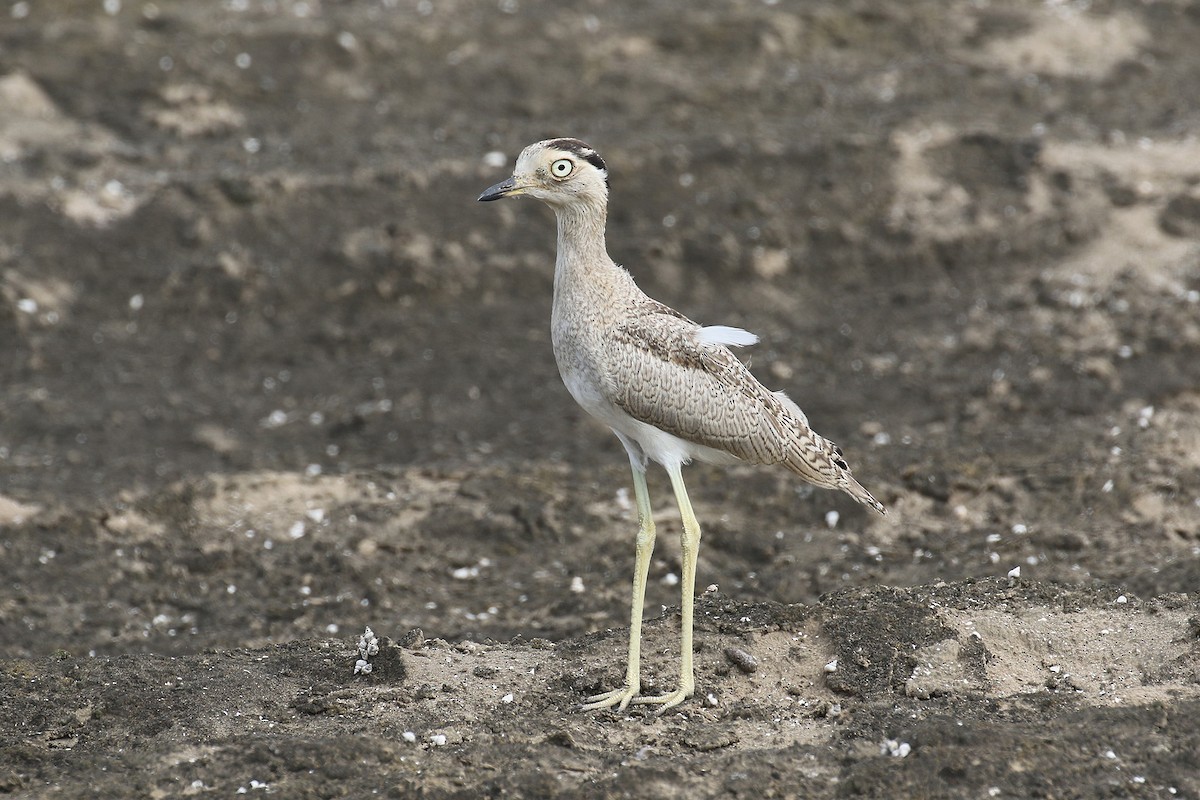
559	172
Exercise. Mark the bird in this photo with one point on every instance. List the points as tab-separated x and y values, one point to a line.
672	390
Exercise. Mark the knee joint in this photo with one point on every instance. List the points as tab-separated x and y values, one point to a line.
645	536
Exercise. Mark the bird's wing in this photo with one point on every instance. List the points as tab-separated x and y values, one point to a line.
669	372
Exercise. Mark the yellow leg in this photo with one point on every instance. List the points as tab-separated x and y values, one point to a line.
645	546
689	545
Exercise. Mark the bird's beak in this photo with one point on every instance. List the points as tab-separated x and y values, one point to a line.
508	188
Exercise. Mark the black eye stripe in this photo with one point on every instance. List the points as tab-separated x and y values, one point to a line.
578	148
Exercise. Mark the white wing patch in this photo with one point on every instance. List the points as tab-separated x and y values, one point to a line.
726	335
790	404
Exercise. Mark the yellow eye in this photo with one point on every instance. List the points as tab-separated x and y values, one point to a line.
561	168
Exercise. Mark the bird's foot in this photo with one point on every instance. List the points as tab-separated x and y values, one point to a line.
666	701
617	697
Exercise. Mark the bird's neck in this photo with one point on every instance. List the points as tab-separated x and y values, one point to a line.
583	260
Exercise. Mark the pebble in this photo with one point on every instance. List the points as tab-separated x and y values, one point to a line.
742	660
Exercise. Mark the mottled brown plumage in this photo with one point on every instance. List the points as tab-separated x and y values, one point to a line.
672	390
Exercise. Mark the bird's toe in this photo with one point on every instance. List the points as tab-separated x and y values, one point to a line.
620	698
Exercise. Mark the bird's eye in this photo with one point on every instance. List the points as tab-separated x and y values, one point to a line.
561	168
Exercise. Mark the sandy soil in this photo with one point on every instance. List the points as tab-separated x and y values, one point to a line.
271	376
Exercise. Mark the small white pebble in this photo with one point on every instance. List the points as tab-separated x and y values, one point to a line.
331	627
831	518
465	573
297	530
577	585
275	419
315	514
1015	572
671	579
712	589
623	499
136	302
1109	754
831	666
711	699
1122	599
494	159
1107	487
438	739
508	698
1020	529
409	737
28	305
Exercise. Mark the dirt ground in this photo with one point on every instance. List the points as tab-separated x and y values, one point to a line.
269	375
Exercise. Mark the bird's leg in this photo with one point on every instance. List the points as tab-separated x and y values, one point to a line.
645	546
689	545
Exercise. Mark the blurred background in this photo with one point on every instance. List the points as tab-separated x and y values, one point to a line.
245	286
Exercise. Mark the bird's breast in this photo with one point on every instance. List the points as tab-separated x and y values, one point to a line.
578	351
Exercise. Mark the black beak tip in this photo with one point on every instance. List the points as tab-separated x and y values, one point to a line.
497	192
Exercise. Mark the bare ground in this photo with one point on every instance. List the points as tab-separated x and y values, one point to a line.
270	376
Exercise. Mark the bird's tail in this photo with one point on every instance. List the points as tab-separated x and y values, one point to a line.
831	472
860	493
820	461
